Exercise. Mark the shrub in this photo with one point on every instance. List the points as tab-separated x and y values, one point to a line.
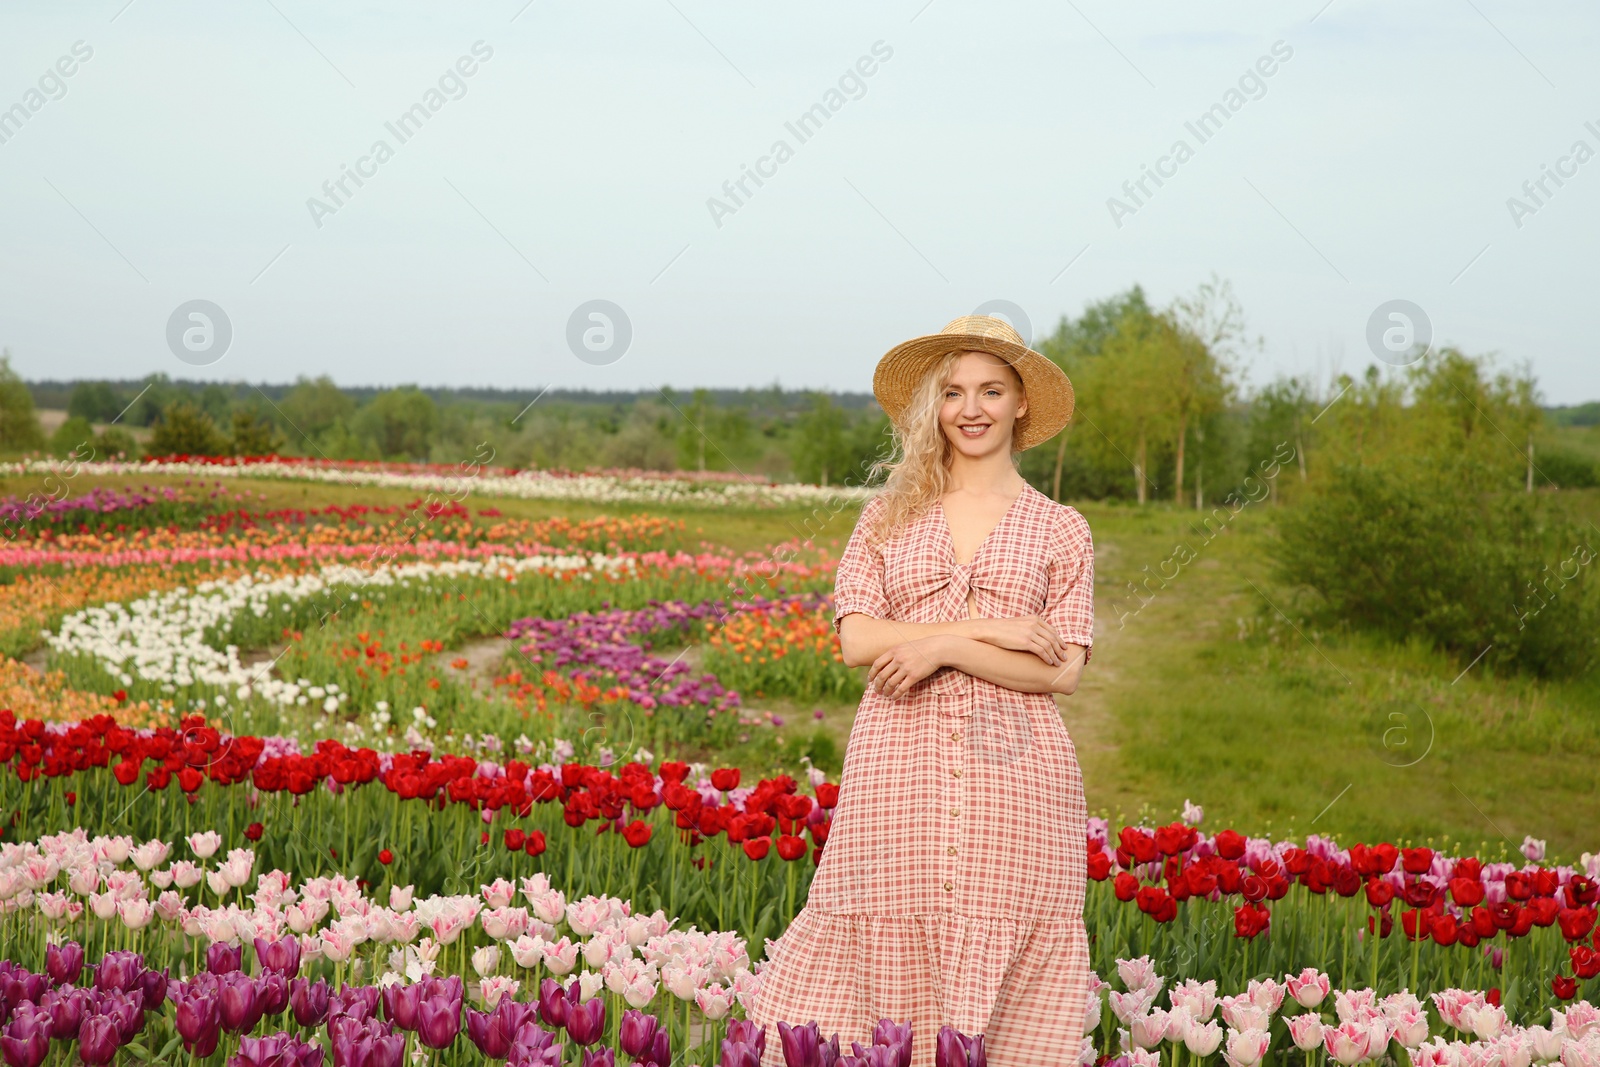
1418	547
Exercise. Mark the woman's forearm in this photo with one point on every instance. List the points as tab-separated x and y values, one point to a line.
1022	671
862	638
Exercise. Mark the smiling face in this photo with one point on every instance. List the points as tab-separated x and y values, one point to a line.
981	405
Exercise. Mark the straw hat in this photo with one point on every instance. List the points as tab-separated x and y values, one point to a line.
1048	391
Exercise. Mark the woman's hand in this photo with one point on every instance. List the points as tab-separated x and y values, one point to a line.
1029	633
903	666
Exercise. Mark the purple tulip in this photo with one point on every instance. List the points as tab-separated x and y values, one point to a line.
67	1007
587	1021
801	1044
896	1036
282	955
154	986
98	1039
746	1032
739	1054
603	1057
660	1052
195	1015
276	1050
119	971
26	1041
18	986
637	1033
64	963
127	1009
223	958
494	1031
400	1004
364	1042
238	1001
534	1046
357	1001
273	989
874	1056
956	1049
439	1018
309	1001
554	1004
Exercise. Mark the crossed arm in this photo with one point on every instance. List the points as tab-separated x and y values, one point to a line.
1026	654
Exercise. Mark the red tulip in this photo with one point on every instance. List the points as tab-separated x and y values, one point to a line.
1585	961
1563	987
189	779
385	857
1416	860
1250	920
725	778
1466	892
1575	922
828	795
637	833
535	843
1099	865
1230	844
1379	893
791	847
515	839
1125	886
757	848
1444	929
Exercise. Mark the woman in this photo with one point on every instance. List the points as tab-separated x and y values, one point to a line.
950	890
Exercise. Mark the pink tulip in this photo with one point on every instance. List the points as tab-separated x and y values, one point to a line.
1246	1047
1202	1040
1149	1030
1305	1031
1309	988
1348	1043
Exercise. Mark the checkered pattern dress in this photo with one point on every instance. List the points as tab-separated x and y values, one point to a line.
951	886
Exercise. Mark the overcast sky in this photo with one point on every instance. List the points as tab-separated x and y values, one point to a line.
969	154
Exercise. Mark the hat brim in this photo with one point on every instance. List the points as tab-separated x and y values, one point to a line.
1048	390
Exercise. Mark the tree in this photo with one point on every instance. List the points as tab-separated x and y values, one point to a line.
19	426
316	406
1207	332
253	434
185	430
1130	385
402	422
72	436
95	402
1076	343
1280	414
820	450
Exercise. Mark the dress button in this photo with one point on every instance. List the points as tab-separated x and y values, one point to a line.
955	812
951	850
956	736
956	771
949	887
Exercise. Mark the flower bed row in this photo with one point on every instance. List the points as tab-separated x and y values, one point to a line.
428	819
680	488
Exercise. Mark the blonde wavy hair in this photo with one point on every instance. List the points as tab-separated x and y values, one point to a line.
916	470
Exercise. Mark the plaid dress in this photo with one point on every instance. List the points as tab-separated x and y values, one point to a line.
951	886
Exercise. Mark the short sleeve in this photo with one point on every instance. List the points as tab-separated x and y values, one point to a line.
858	583
1069	599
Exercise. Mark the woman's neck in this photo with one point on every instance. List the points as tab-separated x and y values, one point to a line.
991	474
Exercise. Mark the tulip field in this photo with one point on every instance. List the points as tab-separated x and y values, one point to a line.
383	784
